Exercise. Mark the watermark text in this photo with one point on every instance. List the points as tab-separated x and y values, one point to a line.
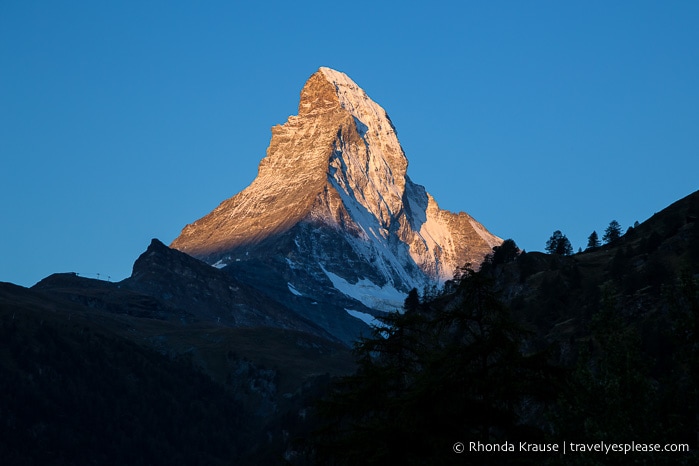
568	447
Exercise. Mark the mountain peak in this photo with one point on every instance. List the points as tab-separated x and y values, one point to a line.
383	161
332	197
318	95
339	130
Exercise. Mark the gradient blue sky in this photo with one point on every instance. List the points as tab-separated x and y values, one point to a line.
124	121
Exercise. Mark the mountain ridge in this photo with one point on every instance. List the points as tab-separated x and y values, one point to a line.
278	372
332	196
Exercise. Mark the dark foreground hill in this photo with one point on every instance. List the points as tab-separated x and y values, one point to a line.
96	375
185	364
600	347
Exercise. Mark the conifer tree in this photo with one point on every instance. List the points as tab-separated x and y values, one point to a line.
612	233
558	243
593	241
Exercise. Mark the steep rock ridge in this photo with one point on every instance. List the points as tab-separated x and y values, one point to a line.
332	202
440	240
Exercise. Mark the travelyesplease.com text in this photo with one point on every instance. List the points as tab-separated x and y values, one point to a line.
568	447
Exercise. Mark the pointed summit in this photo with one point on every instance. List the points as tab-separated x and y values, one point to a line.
332	198
318	95
335	117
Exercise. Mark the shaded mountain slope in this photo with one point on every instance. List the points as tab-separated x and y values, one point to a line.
73	394
169	285
558	295
168	314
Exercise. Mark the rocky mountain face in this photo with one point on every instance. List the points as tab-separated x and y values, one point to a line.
332	222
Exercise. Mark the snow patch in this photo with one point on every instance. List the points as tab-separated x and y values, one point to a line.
293	290
383	298
219	264
364	317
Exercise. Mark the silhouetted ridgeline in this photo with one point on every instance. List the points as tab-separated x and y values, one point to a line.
599	346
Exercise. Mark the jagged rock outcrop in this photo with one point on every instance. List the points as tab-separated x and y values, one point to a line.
332	208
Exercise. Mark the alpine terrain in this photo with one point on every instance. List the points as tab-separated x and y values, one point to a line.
332	226
233	345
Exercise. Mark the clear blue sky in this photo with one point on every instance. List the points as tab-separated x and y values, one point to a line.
123	121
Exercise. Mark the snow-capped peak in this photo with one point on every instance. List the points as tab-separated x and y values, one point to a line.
332	197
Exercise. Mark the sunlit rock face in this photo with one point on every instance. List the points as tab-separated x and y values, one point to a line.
333	210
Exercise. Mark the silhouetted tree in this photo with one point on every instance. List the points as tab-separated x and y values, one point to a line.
503	254
412	302
593	241
612	233
558	243
506	252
